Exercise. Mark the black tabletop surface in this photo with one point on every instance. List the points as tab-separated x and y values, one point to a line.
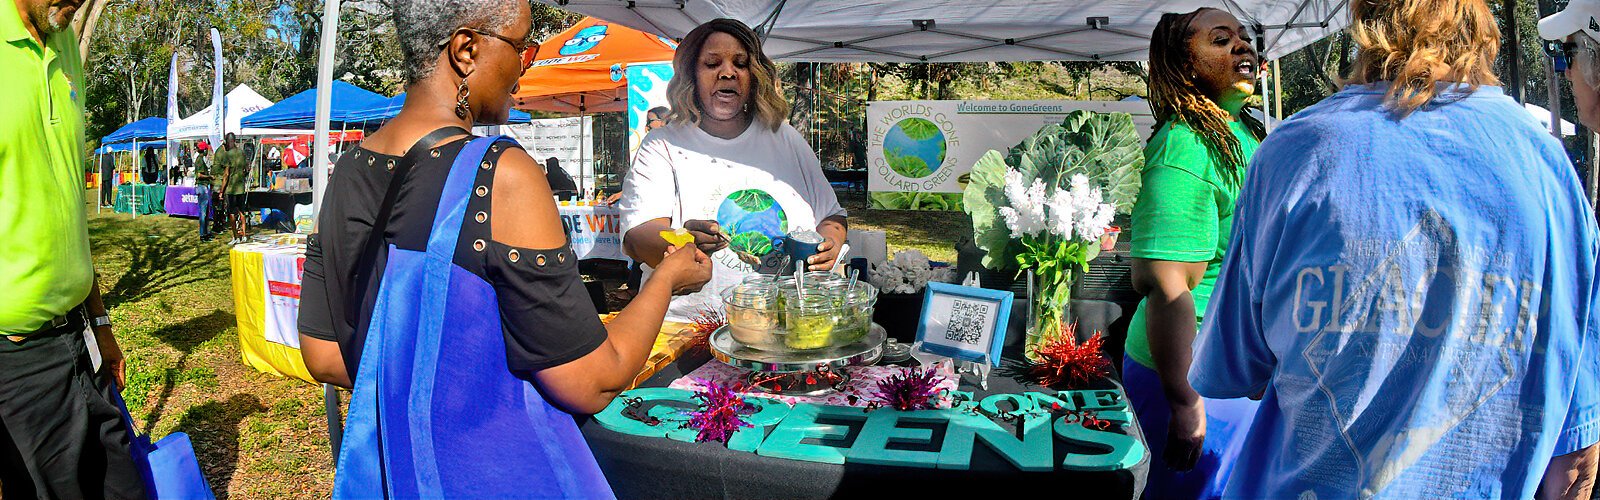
649	467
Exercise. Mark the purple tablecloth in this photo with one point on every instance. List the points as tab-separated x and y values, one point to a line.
181	200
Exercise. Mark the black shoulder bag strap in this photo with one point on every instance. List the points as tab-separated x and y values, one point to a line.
369	252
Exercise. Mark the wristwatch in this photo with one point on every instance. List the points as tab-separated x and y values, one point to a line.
101	320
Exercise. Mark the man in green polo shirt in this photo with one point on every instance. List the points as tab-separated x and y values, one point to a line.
61	436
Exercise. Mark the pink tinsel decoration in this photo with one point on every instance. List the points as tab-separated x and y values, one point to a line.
912	389
721	413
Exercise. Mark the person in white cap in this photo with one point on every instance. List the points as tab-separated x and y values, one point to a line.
1578	29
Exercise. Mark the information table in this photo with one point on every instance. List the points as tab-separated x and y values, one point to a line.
593	230
150	198
182	200
655	467
266	299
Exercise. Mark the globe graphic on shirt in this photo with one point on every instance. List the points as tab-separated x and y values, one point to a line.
584	40
914	148
754	220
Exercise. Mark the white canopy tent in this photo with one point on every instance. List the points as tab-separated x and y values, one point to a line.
1544	116
241	101
964	30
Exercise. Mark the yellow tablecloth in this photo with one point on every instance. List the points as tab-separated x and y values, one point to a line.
259	302
268	344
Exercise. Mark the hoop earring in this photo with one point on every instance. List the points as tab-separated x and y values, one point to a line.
462	92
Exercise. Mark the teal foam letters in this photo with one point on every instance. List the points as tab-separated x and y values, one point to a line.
785	439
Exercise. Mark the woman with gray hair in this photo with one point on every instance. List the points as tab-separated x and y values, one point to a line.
441	290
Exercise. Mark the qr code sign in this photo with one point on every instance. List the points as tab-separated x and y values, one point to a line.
967	320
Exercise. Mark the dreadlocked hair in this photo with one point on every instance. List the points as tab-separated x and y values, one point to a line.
1174	96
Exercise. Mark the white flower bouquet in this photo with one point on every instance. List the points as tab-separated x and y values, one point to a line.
1042	208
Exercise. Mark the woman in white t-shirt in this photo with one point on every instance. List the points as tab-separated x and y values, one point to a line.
727	168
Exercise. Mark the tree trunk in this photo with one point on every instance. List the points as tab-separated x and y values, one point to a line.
872	83
83	25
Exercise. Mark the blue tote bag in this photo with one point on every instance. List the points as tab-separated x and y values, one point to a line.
169	466
432	422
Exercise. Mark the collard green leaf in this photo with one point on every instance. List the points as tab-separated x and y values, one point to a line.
1105	147
984	196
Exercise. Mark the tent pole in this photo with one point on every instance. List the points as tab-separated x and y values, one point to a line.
319	160
133	194
1277	89
583	109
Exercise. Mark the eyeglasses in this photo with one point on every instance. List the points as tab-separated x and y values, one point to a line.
1565	53
528	48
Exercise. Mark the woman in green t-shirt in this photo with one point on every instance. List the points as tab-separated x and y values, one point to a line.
1202	64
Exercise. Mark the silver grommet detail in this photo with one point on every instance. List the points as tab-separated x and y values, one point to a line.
561	258
482	191
391	165
370	160
434	153
495	148
539	260
482	216
514	255
477	245
485	165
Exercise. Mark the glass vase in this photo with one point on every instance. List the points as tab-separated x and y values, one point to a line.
1049	307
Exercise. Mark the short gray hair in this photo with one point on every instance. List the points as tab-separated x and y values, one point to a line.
422	24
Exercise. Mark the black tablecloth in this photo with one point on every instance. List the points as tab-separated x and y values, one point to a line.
283	201
648	467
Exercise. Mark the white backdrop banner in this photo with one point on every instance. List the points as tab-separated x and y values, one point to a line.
919	151
593	231
565	139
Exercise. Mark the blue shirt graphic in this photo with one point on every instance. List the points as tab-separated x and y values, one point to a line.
1415	297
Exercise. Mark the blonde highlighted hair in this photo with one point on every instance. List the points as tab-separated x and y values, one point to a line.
769	106
1417	44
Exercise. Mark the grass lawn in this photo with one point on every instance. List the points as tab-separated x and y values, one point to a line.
256	435
934	233
171	304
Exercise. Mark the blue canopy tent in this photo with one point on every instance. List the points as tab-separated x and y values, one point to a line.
124	147
299	111
392	105
149	133
148	129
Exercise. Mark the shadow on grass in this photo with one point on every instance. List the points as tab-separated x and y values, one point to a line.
214	429
189	334
184	337
158	258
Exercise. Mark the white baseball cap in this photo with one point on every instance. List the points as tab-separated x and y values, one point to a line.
1580	15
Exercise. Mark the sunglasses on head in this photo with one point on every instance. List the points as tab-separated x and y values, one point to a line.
528	48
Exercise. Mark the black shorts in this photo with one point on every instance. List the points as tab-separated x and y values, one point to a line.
235	203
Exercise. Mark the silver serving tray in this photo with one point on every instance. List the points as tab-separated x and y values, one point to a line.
862	352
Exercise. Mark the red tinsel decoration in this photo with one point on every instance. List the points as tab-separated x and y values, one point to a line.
911	389
721	413
703	325
1063	361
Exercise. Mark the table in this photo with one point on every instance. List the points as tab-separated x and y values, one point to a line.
150	198
266	299
594	230
182	200
283	201
650	467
